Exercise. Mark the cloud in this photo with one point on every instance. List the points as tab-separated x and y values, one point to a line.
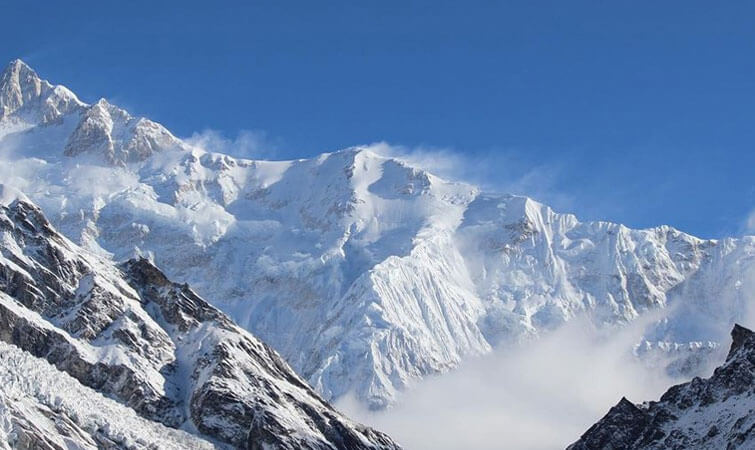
248	144
540	396
749	223
495	171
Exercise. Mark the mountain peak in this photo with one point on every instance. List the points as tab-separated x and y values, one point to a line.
19	77
740	336
13	66
103	127
18	84
17	67
23	92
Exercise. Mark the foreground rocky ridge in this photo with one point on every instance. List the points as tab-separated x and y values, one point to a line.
364	272
153	345
713	413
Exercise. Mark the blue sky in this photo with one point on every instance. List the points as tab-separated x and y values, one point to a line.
637	112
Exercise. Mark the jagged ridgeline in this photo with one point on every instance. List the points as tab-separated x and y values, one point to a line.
363	272
115	354
713	413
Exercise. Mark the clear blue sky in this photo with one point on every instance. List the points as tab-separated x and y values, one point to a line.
638	112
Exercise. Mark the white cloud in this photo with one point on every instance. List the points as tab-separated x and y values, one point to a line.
540	396
749	225
249	144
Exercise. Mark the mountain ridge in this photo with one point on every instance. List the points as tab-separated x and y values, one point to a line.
367	274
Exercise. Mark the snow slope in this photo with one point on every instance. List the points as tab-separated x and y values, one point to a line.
365	273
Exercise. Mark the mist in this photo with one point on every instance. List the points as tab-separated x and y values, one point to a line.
248	144
539	395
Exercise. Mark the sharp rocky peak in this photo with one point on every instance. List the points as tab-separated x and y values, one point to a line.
19	74
18	83
104	130
28	97
741	337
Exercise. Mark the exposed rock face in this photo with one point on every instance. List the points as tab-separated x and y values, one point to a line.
27	96
713	413
153	345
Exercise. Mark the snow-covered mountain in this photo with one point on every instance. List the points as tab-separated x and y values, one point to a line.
364	272
154	346
712	413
